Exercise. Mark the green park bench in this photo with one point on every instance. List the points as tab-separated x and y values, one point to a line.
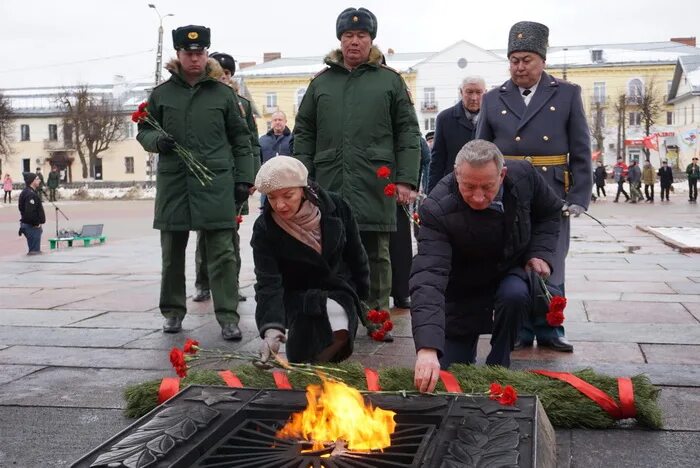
89	234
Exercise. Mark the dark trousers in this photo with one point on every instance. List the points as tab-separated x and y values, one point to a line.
376	245
221	268
665	190
621	190
600	188
511	304
693	189
8	194
649	191
52	194
33	236
401	253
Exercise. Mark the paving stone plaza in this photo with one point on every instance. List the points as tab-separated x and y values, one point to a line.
78	325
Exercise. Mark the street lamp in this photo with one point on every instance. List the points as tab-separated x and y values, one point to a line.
159	54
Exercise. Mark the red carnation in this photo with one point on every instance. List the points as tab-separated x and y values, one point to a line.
378	335
239	219
558	303
509	396
384	316
373	316
555	318
142	106
390	190
495	390
191	346
138	116
416	218
177	359
383	172
388	326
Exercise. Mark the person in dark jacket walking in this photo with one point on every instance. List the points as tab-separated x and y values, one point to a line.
539	118
454	127
481	229
202	115
310	266
665	179
52	183
357	117
634	177
32	213
599	175
620	172
693	172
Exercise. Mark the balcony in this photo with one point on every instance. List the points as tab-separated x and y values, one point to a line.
633	100
269	110
428	106
58	145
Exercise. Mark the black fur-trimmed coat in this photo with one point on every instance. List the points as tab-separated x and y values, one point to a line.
294	281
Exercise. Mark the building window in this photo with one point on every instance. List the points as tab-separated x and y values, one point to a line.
596	55
130	129
269	125
635	88
26	165
669	83
692	113
429	95
429	124
635	119
53	132
129	164
669	118
599	92
271	99
24	132
300	95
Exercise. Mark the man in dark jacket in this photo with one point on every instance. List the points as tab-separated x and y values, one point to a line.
539	118
52	183
277	140
32	214
665	179
356	117
202	115
454	128
481	229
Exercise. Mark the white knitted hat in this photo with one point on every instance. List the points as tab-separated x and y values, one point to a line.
281	172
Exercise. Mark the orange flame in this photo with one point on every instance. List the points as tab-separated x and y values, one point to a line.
338	412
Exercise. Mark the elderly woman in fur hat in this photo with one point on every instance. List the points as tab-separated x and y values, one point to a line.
310	266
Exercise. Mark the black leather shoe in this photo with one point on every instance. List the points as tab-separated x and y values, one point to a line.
202	295
172	325
557	344
521	344
402	303
231	332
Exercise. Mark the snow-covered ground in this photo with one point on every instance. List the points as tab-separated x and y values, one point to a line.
684	236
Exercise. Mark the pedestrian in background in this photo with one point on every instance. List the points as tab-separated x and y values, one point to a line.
7	187
665	179
620	172
634	177
52	183
42	184
693	171
32	213
277	141
599	175
649	179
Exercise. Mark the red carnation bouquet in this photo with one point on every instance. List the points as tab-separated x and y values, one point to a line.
557	304
382	324
203	174
390	191
504	395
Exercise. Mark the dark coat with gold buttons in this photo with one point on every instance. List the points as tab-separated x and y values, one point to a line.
554	123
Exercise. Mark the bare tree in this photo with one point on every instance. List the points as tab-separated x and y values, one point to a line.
95	123
598	127
650	108
621	112
7	127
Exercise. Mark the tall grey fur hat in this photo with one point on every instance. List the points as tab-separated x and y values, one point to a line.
281	172
528	36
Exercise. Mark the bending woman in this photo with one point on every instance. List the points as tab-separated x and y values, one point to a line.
310	267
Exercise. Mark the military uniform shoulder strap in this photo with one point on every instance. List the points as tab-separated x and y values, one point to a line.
387	67
320	73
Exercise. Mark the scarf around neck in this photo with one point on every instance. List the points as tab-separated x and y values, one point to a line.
304	226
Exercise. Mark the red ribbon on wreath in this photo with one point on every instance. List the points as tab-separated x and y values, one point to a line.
624	410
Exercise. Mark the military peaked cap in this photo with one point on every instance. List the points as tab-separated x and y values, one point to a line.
527	36
356	18
191	37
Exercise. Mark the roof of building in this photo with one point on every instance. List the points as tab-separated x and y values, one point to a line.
688	66
665	52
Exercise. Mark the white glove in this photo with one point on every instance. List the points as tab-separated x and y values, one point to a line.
271	344
575	210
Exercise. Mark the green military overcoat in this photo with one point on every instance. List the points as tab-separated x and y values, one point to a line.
349	124
205	119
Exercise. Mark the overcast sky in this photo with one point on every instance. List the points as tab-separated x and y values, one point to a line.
56	43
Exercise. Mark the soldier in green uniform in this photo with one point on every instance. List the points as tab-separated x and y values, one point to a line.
228	69
52	183
203	116
357	116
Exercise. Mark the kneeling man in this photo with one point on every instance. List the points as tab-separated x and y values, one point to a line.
482	227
